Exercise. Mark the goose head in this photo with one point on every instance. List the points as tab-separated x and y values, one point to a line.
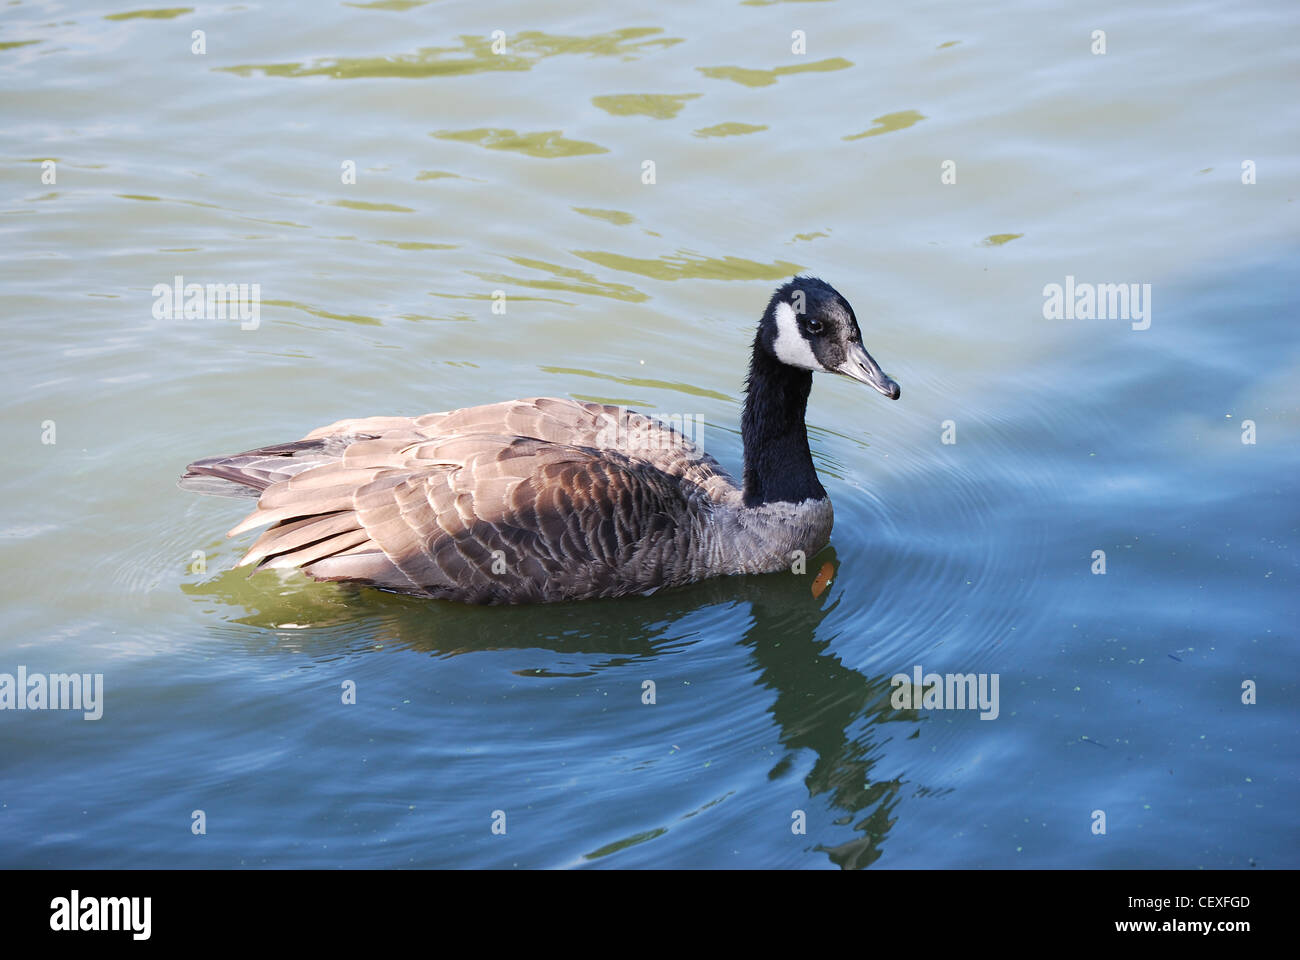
808	325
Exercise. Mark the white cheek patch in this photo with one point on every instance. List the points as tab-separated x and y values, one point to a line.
790	347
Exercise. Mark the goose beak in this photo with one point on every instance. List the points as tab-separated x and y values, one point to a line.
860	367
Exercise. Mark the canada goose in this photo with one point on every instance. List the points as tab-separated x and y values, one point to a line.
546	499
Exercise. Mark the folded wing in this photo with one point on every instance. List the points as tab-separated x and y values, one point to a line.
523	501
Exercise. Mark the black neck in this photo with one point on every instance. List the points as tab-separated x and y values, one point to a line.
778	463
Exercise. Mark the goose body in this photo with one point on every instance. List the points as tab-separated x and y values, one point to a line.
550	499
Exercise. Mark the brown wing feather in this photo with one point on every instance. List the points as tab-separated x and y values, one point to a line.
528	500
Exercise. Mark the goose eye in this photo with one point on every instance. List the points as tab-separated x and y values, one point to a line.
814	325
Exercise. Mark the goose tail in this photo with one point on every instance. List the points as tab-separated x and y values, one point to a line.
246	475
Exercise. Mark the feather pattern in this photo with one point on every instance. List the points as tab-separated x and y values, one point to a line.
523	501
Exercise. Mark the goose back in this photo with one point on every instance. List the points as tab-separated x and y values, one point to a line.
531	500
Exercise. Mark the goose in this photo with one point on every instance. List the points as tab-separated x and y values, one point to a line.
545	499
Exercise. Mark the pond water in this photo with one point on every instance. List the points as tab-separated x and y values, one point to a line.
381	170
